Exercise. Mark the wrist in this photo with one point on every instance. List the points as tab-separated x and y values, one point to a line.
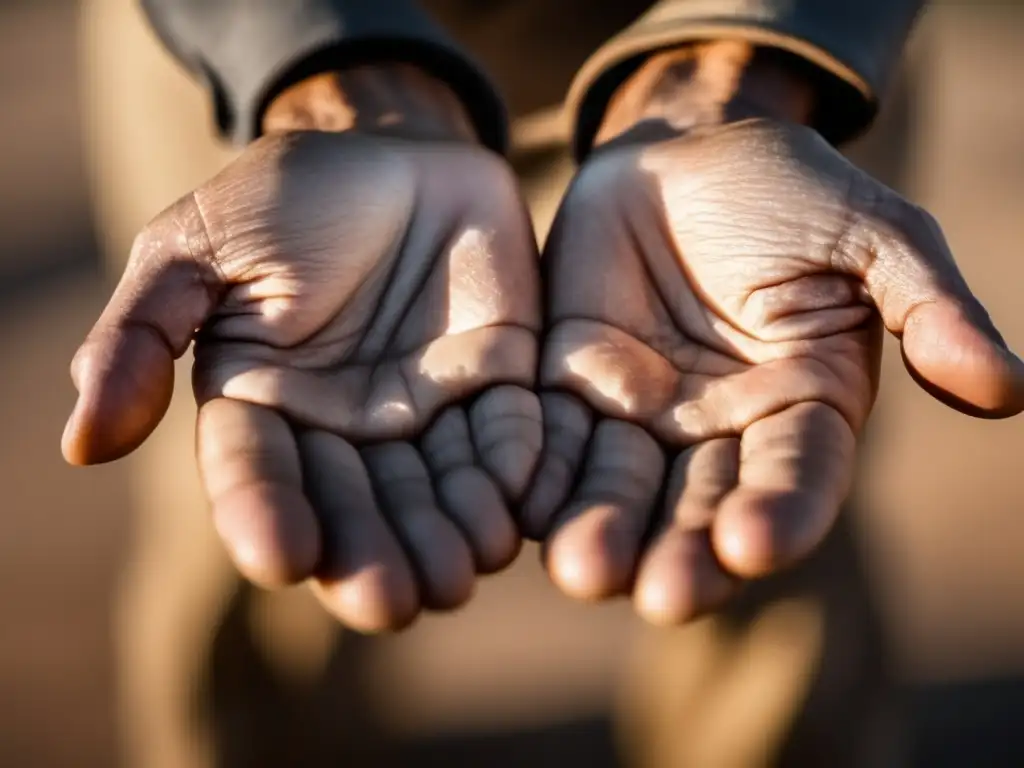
387	99
709	84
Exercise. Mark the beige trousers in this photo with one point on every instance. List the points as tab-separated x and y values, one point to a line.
214	673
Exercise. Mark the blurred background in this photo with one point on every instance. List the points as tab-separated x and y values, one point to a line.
944	521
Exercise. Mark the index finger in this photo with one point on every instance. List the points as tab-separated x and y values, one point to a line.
796	468
249	462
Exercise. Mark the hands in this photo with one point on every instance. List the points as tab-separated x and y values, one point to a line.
365	309
367	312
714	305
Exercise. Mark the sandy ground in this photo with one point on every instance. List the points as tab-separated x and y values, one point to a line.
947	491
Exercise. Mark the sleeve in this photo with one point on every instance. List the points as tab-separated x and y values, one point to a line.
247	51
854	44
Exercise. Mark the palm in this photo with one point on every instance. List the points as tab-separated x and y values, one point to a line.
364	372
399	293
714	354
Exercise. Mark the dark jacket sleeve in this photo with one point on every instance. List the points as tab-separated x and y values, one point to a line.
248	51
854	44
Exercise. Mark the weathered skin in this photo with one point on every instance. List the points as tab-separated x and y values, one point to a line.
715	304
368	311
363	289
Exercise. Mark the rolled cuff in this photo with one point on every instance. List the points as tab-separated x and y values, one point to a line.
248	51
854	44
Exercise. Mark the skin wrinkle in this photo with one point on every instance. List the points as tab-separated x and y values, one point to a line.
881	240
796	224
445	455
413	396
158	333
176	345
308	216
205	255
636	240
705	332
571	461
302	224
407	389
147	247
849	225
320	337
622	405
832	306
720	363
254	269
484	446
788	275
507	418
401	252
310	357
452	461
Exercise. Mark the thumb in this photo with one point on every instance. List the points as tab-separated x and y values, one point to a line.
949	343
124	371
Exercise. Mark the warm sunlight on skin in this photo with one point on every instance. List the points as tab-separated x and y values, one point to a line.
631	380
476	283
728	288
364	375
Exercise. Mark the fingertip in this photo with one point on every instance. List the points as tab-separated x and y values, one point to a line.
376	599
745	543
470	498
575	571
94	434
270	532
498	549
501	557
759	532
440	558
455	594
451	580
664	603
656	604
589	558
125	387
679	579
962	363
